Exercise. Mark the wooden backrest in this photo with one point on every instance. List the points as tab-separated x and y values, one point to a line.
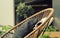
30	20
34	34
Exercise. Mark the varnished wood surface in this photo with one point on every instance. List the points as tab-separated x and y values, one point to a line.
49	16
42	25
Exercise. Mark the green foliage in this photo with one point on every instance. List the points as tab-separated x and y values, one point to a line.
18	1
51	29
44	36
1	32
24	10
4	29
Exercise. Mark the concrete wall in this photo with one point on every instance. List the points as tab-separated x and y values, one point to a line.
6	12
56	6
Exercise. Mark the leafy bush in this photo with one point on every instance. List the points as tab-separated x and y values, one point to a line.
51	29
1	32
48	29
44	36
24	10
18	1
4	29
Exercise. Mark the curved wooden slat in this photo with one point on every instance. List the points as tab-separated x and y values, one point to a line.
42	25
38	13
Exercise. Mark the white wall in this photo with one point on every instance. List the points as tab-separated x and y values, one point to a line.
6	12
56	6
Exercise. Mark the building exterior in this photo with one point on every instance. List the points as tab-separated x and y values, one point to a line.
6	12
56	6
